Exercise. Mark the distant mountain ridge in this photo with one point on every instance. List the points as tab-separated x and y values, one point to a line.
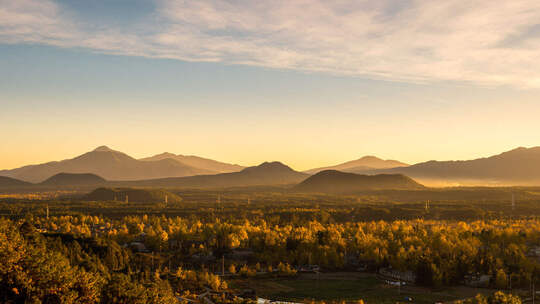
332	181
107	163
197	162
362	164
519	166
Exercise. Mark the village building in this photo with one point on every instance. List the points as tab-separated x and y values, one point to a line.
407	276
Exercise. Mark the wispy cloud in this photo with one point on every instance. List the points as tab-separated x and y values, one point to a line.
481	42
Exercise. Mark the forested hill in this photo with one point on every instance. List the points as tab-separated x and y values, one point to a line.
332	181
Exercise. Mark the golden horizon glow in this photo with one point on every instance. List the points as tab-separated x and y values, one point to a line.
336	82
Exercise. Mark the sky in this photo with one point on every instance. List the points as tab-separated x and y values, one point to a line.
308	83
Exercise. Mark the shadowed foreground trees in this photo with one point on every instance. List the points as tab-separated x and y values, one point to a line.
31	272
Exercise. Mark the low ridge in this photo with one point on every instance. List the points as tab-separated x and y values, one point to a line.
73	179
6	182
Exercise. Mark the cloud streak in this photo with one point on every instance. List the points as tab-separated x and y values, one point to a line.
479	42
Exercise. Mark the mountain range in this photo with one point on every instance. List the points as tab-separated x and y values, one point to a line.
115	165
520	166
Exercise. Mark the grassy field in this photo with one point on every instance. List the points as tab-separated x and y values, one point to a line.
350	287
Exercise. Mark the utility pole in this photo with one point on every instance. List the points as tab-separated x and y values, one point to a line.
223	265
47	211
533	291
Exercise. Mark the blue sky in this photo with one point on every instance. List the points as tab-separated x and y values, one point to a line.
305	82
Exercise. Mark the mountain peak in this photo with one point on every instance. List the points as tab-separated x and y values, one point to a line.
369	157
273	165
166	154
269	167
103	149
